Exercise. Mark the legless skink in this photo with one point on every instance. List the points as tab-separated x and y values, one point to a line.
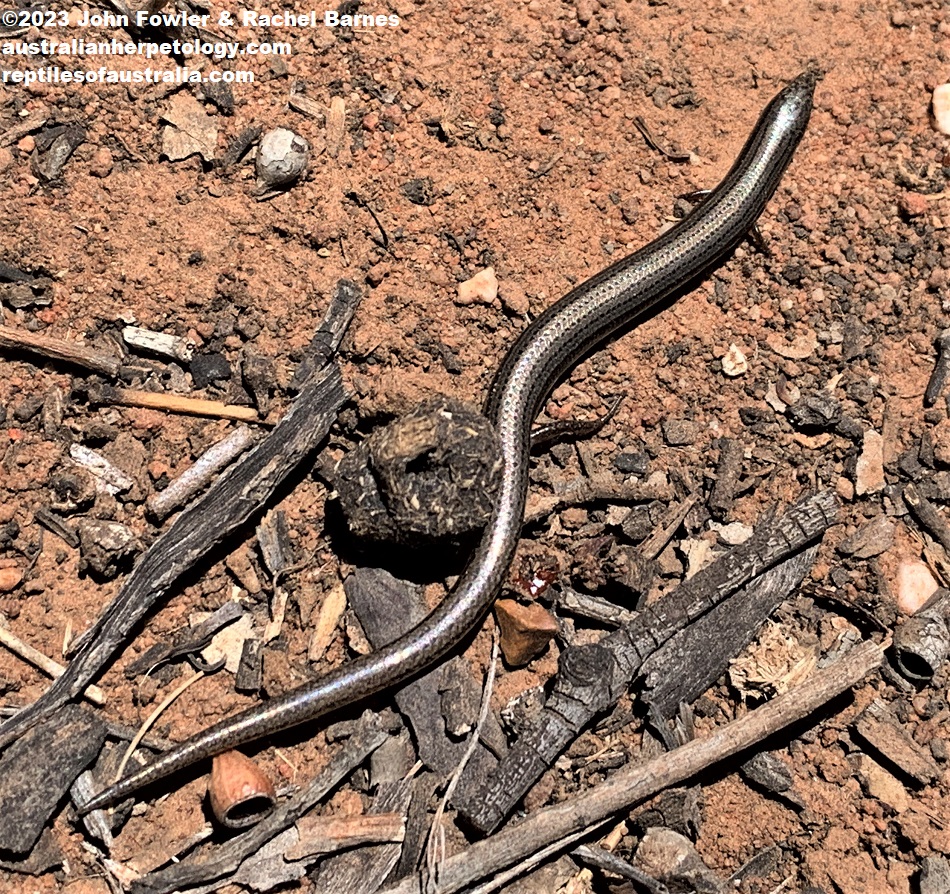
544	352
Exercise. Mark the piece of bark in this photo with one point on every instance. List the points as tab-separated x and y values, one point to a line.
250	672
767	772
723	493
162	344
673	517
692	660
45	856
941	370
223	509
220	860
273	538
328	834
386	608
365	870
592	607
882	731
592	677
922	642
32	789
927	515
554	829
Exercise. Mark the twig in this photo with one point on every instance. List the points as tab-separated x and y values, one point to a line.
565	822
57	349
604	488
44	663
175	403
941	370
652	142
608	862
672	519
223	509
435	845
150	720
194	478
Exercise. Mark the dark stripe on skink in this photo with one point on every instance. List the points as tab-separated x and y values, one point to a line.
549	347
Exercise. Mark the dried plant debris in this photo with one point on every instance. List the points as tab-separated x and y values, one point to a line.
430	475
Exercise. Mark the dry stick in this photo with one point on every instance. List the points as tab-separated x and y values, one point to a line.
57	349
628	787
435	844
592	490
224	508
150	721
175	403
194	478
592	677
44	663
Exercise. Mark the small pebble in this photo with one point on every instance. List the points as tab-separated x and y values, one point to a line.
10	579
101	163
734	534
208	368
941	108
514	299
526	630
734	362
632	463
913	204
915	585
679	432
482	288
6	159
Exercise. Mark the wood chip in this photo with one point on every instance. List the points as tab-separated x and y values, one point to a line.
326	834
336	126
31	789
328	620
878	726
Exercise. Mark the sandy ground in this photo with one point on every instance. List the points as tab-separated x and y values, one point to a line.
520	120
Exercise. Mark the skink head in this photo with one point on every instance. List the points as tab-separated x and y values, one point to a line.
793	104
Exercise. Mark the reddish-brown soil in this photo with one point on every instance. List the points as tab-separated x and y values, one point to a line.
521	117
